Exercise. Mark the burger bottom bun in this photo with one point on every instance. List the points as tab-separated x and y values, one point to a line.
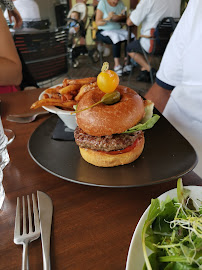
102	159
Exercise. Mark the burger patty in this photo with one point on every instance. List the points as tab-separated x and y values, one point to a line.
105	143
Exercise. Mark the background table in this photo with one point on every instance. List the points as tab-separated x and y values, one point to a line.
92	226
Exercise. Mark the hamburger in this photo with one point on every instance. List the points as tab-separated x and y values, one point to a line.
110	135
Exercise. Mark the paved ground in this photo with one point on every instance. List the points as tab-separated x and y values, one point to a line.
87	68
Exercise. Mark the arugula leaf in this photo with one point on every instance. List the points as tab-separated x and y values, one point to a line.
154	262
178	266
182	193
181	259
151	240
154	211
147	125
161	223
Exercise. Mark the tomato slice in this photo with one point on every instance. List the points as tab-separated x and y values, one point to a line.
125	150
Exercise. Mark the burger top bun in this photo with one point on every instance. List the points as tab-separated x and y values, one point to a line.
103	119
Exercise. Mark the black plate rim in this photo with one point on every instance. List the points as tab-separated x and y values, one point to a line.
102	185
109	186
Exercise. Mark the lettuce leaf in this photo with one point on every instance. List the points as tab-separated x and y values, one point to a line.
148	107
172	231
147	125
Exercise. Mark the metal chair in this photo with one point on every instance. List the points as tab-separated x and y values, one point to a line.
159	39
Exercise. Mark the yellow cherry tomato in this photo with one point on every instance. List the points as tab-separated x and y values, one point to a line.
107	81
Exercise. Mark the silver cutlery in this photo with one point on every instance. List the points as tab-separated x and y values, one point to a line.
21	236
45	214
24	118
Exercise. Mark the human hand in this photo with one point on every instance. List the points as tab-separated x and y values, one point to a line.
15	15
110	15
123	12
129	22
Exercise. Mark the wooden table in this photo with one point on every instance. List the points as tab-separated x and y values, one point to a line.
92	226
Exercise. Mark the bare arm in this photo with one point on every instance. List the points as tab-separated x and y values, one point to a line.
129	22
159	96
118	18
10	65
15	15
99	17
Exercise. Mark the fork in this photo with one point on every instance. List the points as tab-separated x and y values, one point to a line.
24	118
25	237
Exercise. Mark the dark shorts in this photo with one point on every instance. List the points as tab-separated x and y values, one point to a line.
116	48
134	46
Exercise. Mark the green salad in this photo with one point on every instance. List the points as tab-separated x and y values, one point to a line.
173	231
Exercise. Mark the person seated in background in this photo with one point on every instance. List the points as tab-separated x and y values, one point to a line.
180	70
29	11
13	14
10	65
108	13
148	13
27	79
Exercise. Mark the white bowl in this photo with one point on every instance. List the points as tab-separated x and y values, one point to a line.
67	117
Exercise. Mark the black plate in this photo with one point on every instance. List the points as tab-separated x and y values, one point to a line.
166	156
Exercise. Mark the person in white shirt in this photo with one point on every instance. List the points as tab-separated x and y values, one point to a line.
149	13
180	70
28	9
13	13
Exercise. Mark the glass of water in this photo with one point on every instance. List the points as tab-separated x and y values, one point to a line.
4	141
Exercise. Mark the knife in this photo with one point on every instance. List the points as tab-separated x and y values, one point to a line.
45	215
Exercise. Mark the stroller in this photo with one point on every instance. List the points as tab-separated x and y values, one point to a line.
75	48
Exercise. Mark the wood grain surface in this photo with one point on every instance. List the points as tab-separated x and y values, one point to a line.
92	226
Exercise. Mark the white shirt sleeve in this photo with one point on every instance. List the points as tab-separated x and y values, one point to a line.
140	12
171	68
